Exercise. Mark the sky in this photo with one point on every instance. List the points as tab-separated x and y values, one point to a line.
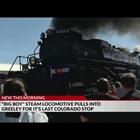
19	37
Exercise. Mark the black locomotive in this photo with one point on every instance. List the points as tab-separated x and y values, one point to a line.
68	64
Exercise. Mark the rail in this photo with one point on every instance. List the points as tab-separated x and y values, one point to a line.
20	57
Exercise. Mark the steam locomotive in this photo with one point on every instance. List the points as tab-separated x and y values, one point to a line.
68	64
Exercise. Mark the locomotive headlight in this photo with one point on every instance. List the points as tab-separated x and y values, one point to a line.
32	60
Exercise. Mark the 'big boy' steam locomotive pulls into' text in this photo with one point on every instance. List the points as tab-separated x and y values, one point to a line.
68	64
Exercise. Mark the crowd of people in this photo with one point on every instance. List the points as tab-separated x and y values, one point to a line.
124	89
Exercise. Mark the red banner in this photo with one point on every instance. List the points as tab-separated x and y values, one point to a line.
41	98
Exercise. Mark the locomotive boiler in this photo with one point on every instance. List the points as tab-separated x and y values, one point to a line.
68	64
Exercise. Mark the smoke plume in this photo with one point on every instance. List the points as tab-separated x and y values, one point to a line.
92	26
137	48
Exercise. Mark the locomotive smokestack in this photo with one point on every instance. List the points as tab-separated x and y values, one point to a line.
96	25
